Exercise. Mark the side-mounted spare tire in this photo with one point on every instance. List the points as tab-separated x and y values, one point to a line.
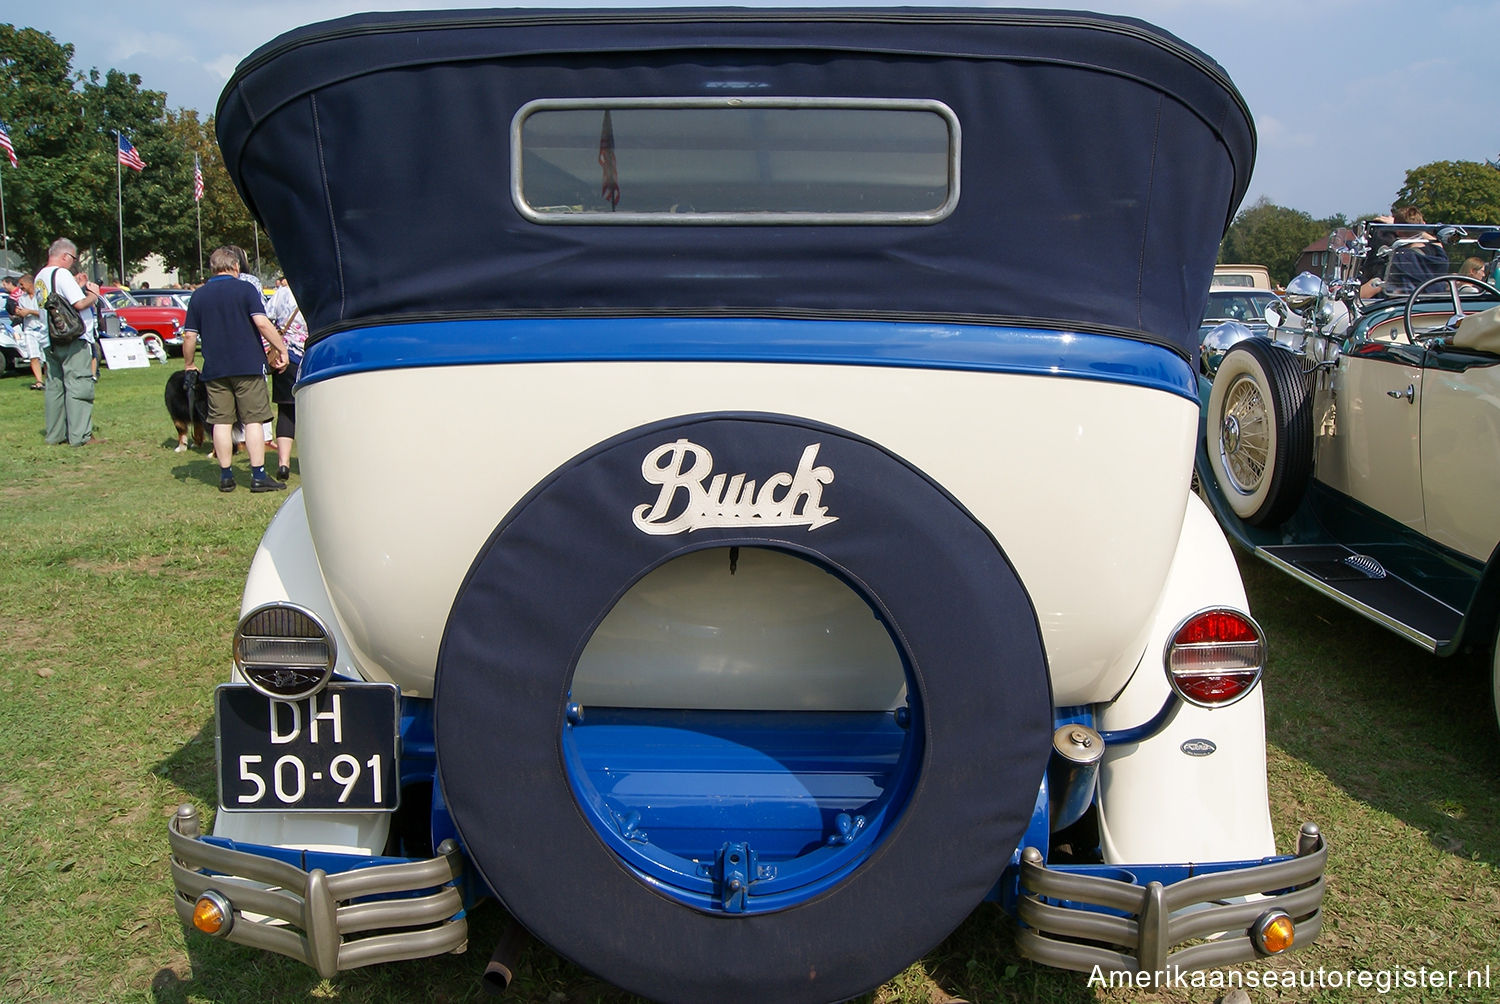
978	712
1260	431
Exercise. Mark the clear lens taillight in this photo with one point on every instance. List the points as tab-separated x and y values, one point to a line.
1215	657
284	651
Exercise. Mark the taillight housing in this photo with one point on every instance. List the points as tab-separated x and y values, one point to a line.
284	651
1215	657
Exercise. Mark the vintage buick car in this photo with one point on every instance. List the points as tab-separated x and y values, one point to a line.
792	560
1356	445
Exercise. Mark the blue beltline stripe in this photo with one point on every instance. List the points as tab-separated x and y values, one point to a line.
856	343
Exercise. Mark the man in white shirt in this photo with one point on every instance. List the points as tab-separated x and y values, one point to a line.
70	379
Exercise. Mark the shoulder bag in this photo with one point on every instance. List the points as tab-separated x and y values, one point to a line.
64	326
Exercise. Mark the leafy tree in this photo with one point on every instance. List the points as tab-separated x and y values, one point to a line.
1453	191
226	219
142	206
68	182
1271	235
49	193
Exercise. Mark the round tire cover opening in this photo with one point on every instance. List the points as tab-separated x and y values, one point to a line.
741	707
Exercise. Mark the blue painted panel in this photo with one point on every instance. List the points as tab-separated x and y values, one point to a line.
695	781
805	795
974	347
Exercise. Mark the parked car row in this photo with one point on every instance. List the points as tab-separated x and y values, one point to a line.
1354	444
156	313
111	324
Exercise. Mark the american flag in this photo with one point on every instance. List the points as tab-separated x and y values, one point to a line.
197	180
611	187
128	155
10	151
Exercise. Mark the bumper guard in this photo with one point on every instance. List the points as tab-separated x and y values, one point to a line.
309	914
1063	928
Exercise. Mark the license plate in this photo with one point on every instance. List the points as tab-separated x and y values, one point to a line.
334	751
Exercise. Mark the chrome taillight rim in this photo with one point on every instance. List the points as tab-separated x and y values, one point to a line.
1216	650
284	651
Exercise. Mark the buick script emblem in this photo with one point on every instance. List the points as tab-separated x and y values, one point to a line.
685	472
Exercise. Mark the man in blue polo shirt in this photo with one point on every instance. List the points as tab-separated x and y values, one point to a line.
229	316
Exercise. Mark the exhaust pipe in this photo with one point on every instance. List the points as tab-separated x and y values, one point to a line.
501	968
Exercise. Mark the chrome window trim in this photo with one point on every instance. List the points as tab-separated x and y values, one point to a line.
955	152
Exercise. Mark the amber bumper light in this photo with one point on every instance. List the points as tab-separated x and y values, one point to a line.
1273	933
212	914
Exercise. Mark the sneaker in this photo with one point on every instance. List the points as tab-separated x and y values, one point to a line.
267	484
283	472
228	485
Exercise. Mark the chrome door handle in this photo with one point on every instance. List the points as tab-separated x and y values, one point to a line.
1410	393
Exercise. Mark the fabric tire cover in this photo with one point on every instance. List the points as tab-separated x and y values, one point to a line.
556	565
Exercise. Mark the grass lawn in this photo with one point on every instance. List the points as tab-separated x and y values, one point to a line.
119	590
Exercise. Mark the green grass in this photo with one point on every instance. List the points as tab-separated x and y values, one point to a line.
119	590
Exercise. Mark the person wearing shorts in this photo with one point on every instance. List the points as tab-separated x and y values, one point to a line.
228	318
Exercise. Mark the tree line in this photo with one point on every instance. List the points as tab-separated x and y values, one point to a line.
1446	191
62	124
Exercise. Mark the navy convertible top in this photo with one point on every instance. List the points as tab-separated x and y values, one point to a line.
1095	163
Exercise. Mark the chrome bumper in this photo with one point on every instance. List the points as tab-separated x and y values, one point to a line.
309	915
1063	929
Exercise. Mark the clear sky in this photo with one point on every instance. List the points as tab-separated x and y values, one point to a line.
1347	95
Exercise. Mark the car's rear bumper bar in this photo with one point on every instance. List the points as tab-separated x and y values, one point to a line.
309	914
1080	921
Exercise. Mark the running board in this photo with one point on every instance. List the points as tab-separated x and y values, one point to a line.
1360	583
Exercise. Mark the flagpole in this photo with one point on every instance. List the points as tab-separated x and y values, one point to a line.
120	208
10	155
198	209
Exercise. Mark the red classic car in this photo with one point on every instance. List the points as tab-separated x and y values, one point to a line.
161	312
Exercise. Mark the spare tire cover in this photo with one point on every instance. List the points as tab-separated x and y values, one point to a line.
566	553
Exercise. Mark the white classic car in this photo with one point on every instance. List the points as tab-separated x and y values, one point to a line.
1356	445
791	564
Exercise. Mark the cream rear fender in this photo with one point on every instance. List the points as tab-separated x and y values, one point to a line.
1169	797
285	569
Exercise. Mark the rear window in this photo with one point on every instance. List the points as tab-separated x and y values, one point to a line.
735	160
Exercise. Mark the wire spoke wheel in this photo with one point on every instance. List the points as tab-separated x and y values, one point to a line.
1259	430
1244	435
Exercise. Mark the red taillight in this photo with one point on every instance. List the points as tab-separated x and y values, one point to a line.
1215	657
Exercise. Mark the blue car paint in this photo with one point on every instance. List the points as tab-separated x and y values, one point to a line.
983	348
